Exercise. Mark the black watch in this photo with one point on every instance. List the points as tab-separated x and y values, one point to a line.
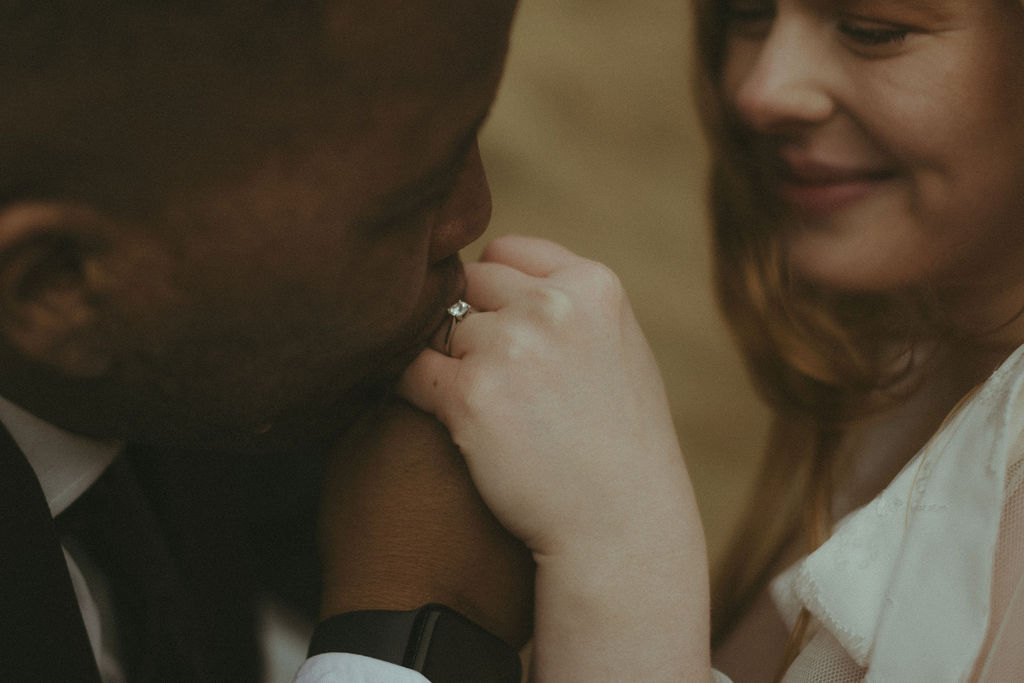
435	640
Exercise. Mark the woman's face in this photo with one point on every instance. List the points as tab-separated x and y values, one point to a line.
891	132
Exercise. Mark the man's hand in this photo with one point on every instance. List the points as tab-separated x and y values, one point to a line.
401	525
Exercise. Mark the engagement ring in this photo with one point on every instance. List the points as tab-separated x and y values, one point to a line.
458	310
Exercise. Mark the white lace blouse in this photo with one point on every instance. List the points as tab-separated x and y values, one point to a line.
926	582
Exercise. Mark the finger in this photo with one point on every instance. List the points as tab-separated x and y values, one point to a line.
531	255
426	382
438	341
476	333
493	286
444	339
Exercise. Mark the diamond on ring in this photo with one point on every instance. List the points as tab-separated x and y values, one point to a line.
459	309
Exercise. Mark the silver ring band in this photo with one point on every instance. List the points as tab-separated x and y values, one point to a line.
458	310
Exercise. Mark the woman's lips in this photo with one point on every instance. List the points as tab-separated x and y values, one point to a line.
814	187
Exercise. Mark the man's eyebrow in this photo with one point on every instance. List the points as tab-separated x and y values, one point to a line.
409	195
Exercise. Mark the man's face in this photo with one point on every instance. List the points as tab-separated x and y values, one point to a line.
275	301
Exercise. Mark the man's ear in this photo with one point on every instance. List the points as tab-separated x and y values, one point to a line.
49	302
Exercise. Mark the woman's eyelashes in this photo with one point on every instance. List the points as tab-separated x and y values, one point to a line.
871	36
868	34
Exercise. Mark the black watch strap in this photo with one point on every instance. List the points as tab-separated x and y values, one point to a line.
435	640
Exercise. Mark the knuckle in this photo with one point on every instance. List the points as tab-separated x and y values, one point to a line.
552	305
499	246
515	341
490	382
523	346
599	293
601	281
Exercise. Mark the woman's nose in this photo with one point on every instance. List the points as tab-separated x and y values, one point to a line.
786	84
467	211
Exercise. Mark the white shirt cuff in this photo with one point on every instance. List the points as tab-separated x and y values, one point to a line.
336	667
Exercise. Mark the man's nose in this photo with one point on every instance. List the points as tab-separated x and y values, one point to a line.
467	211
787	84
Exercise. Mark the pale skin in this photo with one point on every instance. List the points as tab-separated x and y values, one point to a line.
555	401
557	407
919	102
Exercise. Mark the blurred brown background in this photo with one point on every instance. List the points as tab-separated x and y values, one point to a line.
594	143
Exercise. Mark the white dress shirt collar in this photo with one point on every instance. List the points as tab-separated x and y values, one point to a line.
66	464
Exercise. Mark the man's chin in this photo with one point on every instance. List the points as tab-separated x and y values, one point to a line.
296	432
322	416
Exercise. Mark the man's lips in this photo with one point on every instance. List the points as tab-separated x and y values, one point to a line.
453	288
446	283
819	187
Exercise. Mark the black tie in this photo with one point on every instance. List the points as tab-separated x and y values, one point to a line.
42	637
114	526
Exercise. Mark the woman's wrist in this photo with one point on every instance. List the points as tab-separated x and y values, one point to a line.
634	611
638	594
648	512
668	553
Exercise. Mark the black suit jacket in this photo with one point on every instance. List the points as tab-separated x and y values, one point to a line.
42	637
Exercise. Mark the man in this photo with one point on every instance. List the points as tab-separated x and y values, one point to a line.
223	225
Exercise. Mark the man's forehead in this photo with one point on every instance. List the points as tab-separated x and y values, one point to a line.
439	14
419	39
214	91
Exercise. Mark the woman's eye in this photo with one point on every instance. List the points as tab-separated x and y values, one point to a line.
873	36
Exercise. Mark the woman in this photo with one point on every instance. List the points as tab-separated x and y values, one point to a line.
867	193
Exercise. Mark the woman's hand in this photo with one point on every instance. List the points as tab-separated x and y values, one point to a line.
553	397
555	400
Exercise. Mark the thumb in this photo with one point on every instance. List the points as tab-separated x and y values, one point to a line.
428	382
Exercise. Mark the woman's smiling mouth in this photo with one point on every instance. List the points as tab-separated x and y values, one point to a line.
815	187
